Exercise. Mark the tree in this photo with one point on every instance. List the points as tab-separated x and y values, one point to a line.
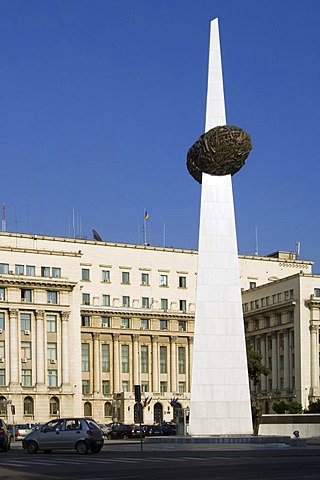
314	407
282	407
255	365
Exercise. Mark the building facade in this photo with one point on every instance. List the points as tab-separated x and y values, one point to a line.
82	322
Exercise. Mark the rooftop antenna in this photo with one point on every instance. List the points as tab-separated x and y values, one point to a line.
297	249
96	236
257	246
3	224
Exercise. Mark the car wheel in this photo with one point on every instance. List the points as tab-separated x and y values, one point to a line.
32	447
82	448
47	451
109	436
95	449
125	437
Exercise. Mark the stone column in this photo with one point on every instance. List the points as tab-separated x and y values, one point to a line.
14	350
96	363
189	375
155	364
136	366
274	361
264	379
40	357
286	366
116	363
314	356
174	364
65	348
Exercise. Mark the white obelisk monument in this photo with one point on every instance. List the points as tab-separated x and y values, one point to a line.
220	397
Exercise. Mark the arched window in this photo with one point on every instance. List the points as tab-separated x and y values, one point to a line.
3	406
158	413
107	409
87	409
28	406
54	406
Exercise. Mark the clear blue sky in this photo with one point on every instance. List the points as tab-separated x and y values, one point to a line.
101	99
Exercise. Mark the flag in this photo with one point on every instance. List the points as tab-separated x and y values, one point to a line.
146	216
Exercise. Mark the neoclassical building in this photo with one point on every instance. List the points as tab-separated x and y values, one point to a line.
82	322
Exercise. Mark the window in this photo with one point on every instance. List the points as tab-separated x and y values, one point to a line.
85	357
26	295
105	354
286	295
144	278
125	386
2	293
105	276
2	378
28	406
125	323
267	322
1	321
144	387
56	272
31	270
144	359
85	387
85	321
125	278
182	282
51	323
4	268
183	305
52	351
105	322
19	269
26	378
25	350
164	304
317	292
45	271
2	355
182	359
279	296
52	378
278	319
106	300
291	293
144	323
108	409
163	387
52	296
125	358
163	359
25	321
126	301
182	326
163	325
86	298
182	387
85	274
145	302
105	387
252	285
54	409
163	281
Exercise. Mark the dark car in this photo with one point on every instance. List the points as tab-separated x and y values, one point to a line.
81	434
5	436
168	429
124	431
151	430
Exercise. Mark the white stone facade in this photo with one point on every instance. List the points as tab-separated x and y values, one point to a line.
42	282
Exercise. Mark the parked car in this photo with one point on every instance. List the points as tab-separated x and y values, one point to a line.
21	430
121	430
105	429
5	436
151	430
81	434
168	429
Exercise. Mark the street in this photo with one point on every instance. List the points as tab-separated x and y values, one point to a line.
124	460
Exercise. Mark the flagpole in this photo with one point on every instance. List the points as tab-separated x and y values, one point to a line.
145	228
